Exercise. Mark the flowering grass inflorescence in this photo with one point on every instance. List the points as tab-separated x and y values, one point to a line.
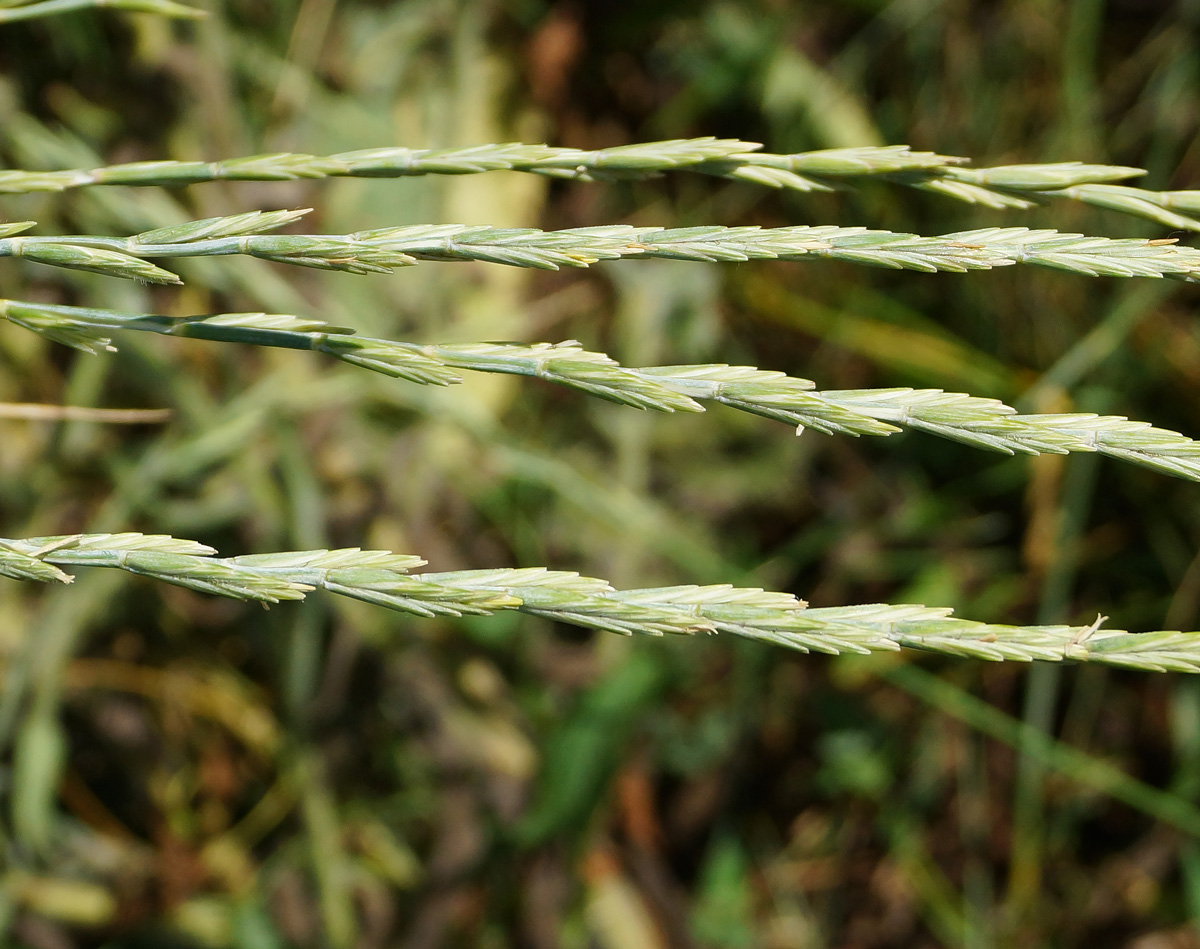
1002	186
981	422
382	249
383	578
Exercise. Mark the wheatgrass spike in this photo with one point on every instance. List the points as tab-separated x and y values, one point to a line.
383	578
379	250
980	422
1002	186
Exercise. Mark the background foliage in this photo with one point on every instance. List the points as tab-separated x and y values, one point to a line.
332	774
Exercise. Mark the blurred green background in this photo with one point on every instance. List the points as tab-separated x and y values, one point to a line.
179	771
